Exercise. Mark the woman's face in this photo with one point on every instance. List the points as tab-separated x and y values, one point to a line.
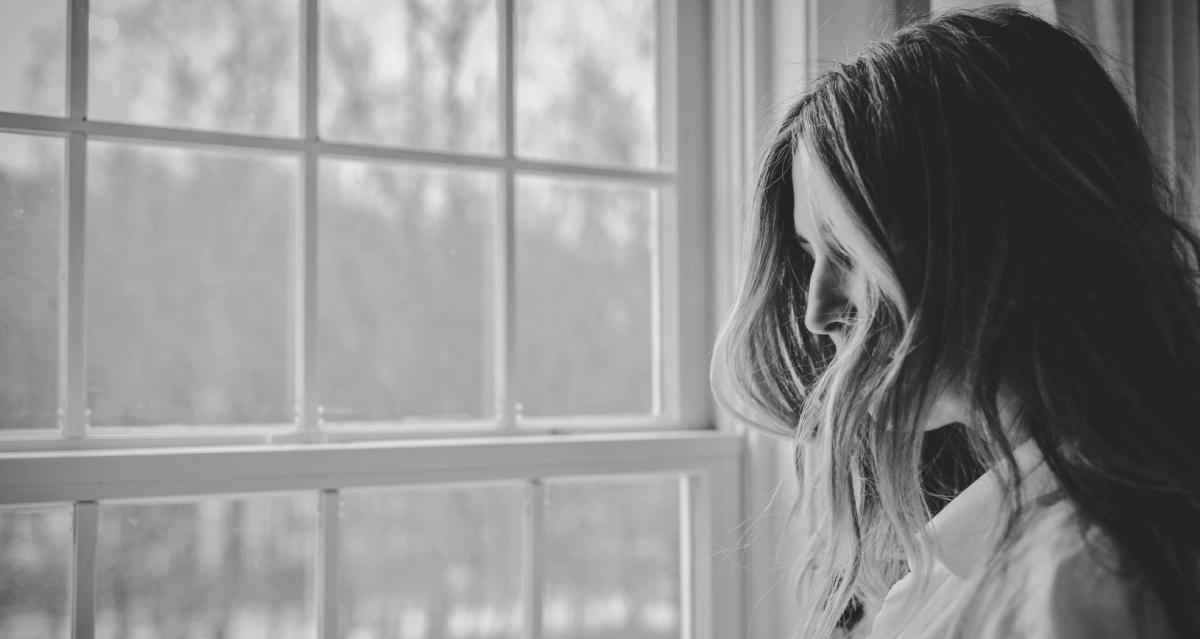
835	289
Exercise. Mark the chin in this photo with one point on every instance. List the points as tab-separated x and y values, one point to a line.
838	339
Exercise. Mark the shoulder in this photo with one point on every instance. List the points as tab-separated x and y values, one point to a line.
1061	581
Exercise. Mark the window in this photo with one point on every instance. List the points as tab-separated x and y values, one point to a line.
358	318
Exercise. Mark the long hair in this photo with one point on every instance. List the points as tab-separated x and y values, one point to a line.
1019	242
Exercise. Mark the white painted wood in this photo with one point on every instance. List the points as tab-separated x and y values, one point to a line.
730	166
39	477
184	436
713	568
83	574
748	34
533	578
120	131
504	246
688	265
328	577
666	402
305	227
72	386
665	277
73	351
689	576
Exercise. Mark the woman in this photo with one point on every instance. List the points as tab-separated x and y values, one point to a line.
965	226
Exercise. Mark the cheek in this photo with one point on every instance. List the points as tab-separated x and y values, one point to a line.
856	288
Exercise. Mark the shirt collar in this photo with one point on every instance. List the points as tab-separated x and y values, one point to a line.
966	530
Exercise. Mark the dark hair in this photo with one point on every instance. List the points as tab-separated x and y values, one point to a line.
1039	254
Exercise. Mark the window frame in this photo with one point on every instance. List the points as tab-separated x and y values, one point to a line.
708	466
680	310
699	62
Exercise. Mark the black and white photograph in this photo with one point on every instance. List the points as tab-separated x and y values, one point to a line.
599	319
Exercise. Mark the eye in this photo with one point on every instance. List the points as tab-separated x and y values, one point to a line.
805	245
838	254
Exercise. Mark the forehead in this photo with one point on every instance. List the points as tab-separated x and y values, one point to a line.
814	194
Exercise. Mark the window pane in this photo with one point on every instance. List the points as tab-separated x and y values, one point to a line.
31	182
406	289
188	280
585	253
35	573
421	73
586	80
231	65
612	558
232	568
33	56
431	563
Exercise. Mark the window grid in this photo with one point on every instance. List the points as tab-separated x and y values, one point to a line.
709	499
86	524
73	430
706	469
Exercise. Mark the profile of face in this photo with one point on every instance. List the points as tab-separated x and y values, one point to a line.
837	286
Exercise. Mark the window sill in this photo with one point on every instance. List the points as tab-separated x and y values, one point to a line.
92	475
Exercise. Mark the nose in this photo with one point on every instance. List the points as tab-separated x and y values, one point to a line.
828	304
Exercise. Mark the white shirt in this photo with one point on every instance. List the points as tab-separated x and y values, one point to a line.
1054	585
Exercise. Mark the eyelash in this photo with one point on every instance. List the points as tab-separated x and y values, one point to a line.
836	253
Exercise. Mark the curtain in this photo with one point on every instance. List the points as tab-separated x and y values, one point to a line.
1152	48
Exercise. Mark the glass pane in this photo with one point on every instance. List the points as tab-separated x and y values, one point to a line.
612	559
231	568
406	272
231	65
429	563
585	253
188	279
421	73
586	80
35	573
33	56
31	201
